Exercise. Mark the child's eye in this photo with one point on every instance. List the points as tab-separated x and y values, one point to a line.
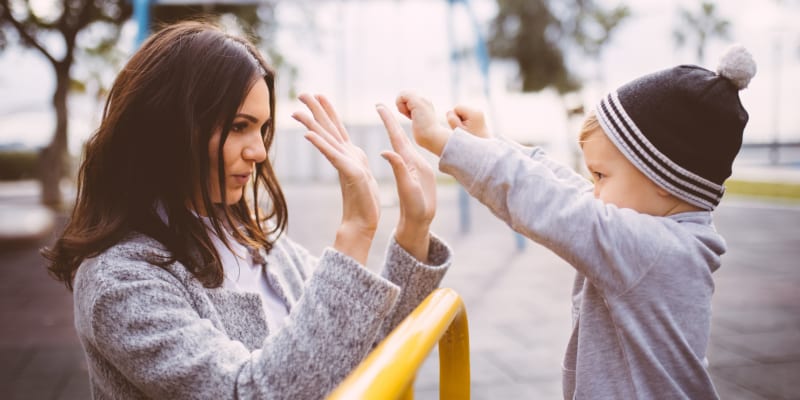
598	175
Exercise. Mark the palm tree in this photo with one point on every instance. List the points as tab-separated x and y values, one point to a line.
596	31
700	28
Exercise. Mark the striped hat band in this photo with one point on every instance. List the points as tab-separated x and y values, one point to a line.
673	178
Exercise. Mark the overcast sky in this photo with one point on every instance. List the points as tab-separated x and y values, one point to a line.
364	52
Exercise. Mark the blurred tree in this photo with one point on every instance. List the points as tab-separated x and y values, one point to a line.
701	27
539	34
600	26
255	20
38	25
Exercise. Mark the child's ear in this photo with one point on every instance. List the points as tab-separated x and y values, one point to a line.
663	193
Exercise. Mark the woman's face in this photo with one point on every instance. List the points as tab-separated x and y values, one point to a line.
243	148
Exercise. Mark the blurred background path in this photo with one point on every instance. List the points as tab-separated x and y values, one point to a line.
517	302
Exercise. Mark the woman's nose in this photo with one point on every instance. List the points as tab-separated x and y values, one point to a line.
255	150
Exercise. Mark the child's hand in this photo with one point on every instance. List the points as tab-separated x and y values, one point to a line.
469	119
428	132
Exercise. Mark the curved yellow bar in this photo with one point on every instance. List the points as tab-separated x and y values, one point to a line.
389	370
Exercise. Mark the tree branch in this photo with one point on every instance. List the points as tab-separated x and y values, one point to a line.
26	37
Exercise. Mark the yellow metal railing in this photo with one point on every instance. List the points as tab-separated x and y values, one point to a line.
388	372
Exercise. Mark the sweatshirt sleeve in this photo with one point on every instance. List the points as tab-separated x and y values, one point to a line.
415	278
612	247
144	324
568	175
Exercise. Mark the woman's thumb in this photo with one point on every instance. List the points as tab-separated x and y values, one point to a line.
396	162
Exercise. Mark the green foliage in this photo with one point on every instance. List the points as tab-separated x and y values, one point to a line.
256	22
700	27
16	165
528	32
31	22
247	16
539	35
599	25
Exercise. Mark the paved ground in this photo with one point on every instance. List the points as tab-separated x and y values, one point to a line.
517	302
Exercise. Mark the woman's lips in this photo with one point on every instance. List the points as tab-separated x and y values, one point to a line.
241	179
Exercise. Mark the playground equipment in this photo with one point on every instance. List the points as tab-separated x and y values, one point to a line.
389	370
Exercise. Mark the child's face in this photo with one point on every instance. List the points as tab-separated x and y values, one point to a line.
617	181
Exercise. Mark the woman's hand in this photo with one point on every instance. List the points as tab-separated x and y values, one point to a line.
468	119
361	208
416	188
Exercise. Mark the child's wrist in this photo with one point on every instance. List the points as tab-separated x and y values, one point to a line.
440	137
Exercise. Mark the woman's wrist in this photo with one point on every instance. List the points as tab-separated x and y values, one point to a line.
354	241
414	239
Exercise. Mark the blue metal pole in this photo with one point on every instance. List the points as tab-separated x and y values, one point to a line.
141	13
482	54
463	196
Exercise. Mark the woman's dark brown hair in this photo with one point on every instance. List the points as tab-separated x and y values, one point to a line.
150	155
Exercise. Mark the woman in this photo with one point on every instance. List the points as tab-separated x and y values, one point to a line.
183	287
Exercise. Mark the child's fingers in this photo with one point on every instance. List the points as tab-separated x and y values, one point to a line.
402	104
454	120
466	114
462	111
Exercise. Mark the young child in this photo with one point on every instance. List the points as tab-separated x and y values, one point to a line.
641	237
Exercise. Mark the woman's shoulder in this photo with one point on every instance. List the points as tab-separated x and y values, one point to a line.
135	257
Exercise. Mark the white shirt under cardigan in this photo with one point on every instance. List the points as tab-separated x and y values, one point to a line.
642	292
244	274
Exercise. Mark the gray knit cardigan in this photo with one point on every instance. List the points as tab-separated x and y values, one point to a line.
152	332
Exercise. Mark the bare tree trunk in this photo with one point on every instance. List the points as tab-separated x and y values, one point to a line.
53	158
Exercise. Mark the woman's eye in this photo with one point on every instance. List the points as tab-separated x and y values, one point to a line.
239	127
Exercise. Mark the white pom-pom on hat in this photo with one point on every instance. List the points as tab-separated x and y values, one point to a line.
737	64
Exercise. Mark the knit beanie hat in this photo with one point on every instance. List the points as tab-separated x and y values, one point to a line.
682	127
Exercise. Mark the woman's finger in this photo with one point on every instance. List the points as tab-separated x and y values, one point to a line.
333	115
325	148
397	136
320	115
405	182
315	127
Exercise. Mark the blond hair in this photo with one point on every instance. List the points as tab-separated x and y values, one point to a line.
589	126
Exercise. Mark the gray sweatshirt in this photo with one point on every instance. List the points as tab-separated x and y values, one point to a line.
642	293
151	332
